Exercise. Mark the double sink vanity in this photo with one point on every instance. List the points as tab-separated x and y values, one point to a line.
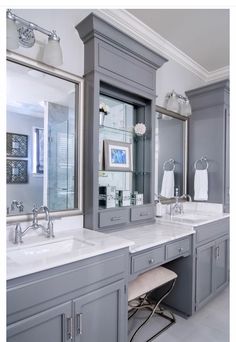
74	286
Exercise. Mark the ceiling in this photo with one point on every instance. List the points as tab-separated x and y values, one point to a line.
27	89
202	34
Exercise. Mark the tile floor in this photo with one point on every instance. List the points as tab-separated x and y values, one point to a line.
209	324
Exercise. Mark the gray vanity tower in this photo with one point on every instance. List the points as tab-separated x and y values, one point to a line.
118	66
209	136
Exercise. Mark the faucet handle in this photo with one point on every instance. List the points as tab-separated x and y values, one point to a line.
50	229
18	234
35	213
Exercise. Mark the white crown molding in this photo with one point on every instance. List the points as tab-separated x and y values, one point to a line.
131	25
218	75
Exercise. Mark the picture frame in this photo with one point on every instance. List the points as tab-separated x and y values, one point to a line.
117	156
17	171
17	145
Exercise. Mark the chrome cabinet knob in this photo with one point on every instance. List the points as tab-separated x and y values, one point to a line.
151	261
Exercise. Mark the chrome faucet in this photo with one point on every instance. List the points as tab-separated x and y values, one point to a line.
187	197
35	225
17	204
177	207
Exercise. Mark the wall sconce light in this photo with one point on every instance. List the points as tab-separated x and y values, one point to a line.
20	32
178	103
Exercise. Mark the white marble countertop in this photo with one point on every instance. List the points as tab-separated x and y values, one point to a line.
196	214
98	243
198	221
152	235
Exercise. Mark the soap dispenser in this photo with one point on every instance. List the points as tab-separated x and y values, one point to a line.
159	206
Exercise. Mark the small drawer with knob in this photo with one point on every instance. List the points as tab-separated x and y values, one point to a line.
178	248
147	260
114	217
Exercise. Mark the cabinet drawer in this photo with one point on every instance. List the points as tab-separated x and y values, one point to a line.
178	248
113	217
147	260
210	231
142	213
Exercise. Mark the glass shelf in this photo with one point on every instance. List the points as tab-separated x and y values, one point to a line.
127	133
132	172
118	130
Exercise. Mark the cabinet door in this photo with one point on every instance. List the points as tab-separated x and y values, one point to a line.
204	273
101	316
53	325
221	263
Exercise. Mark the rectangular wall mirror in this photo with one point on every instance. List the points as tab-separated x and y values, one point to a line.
43	138
170	154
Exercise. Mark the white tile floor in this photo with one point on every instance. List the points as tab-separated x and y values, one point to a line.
209	324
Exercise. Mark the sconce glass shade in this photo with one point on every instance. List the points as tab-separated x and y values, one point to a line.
12	35
188	109
53	53
172	103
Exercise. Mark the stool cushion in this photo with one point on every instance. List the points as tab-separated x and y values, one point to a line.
149	280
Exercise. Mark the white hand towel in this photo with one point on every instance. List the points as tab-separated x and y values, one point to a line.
201	185
168	184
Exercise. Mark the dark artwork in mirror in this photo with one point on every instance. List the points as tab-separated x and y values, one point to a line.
17	145
17	171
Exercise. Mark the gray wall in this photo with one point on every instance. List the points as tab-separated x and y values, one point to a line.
32	192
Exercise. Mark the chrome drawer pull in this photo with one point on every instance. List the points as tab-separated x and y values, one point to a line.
217	252
181	249
151	261
116	218
69	328
79	323
145	213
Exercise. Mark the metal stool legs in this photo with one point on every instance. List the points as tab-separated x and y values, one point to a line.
154	310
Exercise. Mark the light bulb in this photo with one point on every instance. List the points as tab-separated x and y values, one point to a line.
12	35
53	53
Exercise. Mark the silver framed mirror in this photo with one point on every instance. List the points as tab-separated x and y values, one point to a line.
171	151
44	105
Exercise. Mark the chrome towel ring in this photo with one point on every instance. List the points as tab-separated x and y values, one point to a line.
202	160
171	164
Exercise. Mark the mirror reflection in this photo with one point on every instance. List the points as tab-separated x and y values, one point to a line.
169	155
41	147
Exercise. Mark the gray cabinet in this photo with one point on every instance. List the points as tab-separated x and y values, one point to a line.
204	273
209	136
212	261
221	263
100	315
121	73
50	325
80	302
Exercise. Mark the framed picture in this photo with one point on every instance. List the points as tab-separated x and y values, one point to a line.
17	171
117	156
17	145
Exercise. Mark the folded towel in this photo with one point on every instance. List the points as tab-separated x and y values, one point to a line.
201	185
168	184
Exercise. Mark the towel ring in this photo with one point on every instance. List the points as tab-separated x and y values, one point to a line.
202	160
171	162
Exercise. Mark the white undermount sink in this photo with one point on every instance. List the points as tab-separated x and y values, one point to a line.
49	249
191	217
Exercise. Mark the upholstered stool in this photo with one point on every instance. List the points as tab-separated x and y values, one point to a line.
139	294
